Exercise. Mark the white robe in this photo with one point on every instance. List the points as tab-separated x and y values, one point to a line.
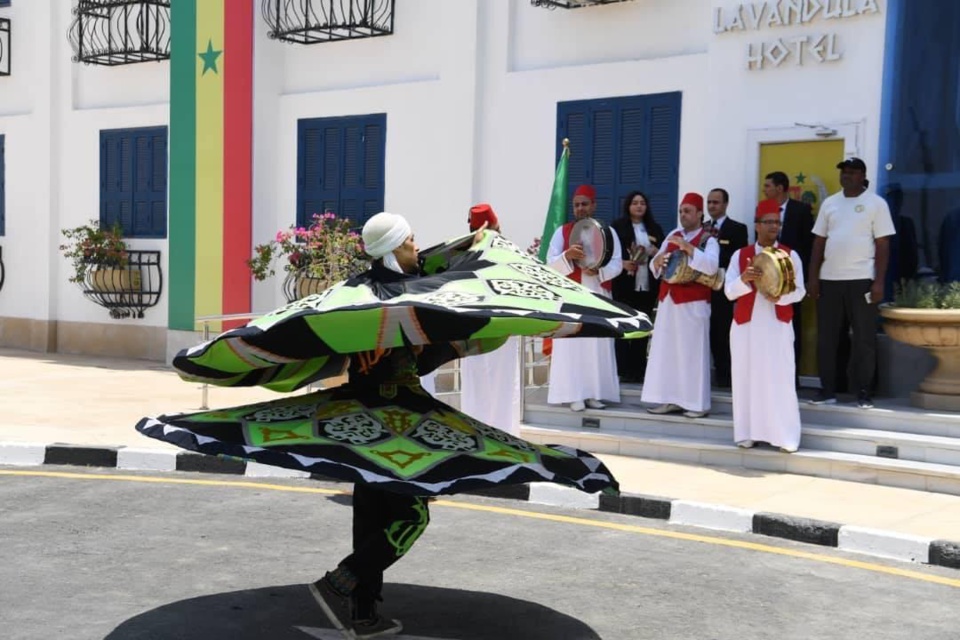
765	407
584	368
429	382
678	368
490	387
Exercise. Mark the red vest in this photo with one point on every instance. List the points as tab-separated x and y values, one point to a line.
688	291
743	307
577	273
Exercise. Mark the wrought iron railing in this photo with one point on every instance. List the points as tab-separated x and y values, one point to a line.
5	36
317	21
115	32
571	4
129	290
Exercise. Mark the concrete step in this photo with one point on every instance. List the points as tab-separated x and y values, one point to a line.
889	414
718	427
908	474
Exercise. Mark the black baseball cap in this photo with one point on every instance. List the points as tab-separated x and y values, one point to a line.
853	163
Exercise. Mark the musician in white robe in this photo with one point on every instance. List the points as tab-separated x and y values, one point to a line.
678	368
490	382
583	371
765	405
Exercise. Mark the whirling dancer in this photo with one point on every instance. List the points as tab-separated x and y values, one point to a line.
381	430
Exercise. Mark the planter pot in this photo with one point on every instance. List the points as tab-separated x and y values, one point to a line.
937	331
307	286
112	280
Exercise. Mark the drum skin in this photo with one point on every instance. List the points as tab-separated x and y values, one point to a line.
596	240
776	268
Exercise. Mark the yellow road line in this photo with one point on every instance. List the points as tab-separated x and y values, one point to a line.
534	515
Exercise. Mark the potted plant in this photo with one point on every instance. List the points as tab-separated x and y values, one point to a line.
927	315
315	257
100	258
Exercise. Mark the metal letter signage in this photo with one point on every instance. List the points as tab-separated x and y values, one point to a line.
789	49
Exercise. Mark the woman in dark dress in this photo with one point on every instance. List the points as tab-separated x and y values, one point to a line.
640	237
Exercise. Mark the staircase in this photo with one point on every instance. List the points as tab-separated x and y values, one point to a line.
893	444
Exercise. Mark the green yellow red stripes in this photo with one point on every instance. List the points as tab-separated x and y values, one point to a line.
211	142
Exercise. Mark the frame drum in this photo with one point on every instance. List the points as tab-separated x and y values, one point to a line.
777	277
596	240
678	271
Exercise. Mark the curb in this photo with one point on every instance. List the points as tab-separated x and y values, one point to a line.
874	542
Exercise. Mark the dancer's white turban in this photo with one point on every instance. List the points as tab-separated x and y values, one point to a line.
383	233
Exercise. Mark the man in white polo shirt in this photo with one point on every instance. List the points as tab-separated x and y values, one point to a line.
851	248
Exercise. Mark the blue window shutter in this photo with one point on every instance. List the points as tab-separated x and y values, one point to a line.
133	181
340	167
3	187
662	157
632	160
618	145
374	142
110	178
573	120
605	136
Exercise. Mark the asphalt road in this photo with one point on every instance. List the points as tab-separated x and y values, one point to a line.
100	554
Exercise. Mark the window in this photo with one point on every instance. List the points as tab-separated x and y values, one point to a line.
622	144
133	181
4	3
3	188
340	167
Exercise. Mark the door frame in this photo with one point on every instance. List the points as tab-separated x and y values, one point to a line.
850	132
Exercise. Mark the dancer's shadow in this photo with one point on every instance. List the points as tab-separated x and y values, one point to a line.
289	612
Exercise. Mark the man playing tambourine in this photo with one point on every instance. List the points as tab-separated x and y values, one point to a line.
679	364
763	365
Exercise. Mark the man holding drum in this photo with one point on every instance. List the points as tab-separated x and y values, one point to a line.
680	349
765	405
583	372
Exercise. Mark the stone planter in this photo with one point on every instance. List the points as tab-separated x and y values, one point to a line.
937	331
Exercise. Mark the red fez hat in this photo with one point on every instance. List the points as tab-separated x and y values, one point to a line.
587	191
482	213
693	198
767	206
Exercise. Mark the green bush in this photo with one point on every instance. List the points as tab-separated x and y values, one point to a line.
911	294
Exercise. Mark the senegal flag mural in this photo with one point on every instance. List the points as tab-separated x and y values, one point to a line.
211	123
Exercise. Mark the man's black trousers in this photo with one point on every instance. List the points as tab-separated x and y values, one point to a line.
841	302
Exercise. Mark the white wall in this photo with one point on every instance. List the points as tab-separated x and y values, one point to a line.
741	101
470	89
52	115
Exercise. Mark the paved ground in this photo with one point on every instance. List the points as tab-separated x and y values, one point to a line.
49	398
87	554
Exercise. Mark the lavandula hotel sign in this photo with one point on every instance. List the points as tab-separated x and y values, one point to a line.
796	49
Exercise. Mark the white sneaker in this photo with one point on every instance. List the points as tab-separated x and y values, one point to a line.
696	414
746	444
595	404
788	449
577	406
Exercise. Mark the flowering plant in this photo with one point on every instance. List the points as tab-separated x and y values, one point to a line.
90	246
328	250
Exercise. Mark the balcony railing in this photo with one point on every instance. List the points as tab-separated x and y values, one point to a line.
317	21
571	4
115	32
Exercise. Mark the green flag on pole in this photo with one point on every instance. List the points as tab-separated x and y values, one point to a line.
557	212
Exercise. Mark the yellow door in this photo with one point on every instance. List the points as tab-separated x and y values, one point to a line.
811	167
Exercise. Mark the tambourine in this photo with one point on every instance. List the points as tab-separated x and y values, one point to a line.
679	271
776	272
596	240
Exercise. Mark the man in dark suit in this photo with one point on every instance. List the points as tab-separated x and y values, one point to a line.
731	235
796	231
